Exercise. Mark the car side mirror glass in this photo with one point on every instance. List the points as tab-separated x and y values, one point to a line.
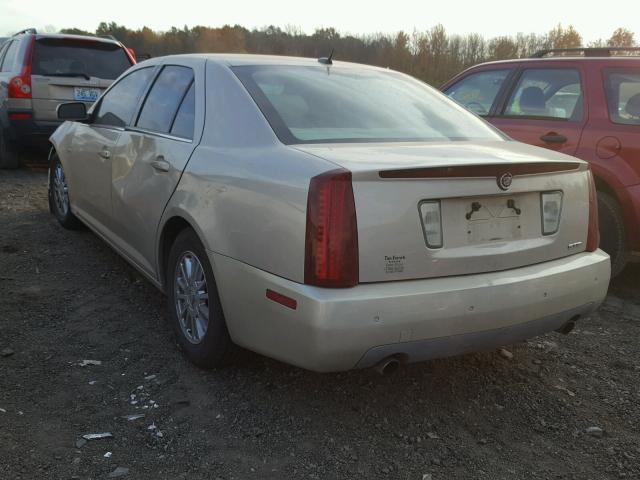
72	111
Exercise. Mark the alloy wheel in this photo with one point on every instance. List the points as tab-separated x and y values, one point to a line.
60	190
191	297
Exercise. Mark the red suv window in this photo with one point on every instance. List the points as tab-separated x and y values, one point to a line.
478	91
623	95
550	93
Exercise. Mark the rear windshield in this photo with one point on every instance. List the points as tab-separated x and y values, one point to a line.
78	57
338	104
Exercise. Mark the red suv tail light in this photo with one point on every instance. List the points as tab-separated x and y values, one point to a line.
331	249
593	235
20	86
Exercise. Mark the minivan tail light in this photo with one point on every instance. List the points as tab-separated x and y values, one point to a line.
593	234
331	244
20	86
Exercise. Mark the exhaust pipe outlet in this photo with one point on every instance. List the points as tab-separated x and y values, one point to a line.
569	326
387	366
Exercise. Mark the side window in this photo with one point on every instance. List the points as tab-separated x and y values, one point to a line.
161	105
554	93
622	88
118	104
478	91
183	124
10	57
3	48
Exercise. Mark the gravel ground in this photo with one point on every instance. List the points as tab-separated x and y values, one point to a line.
66	297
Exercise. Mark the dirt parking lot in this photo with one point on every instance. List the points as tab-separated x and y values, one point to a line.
66	297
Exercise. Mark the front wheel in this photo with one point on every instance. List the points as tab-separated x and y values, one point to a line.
59	203
194	304
613	236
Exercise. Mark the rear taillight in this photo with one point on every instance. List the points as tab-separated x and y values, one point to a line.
20	86
593	235
331	250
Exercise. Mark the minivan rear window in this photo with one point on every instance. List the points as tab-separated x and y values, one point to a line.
63	57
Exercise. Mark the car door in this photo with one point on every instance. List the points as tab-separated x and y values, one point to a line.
89	157
151	155
546	107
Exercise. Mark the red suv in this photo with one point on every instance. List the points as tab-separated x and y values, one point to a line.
582	102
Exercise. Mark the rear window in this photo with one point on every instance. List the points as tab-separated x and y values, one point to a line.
623	95
161	105
62	57
336	104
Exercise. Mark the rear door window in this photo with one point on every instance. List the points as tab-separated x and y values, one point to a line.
549	93
69	57
118	105
166	94
10	57
478	91
622	88
185	118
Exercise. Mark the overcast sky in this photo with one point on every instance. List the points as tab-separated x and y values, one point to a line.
593	19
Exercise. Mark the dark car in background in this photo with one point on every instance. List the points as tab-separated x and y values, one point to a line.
582	102
39	72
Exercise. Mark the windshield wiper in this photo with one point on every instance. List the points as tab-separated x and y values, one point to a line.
68	74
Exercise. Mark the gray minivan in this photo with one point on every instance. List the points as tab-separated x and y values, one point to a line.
38	72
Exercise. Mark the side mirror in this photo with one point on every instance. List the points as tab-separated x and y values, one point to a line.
72	111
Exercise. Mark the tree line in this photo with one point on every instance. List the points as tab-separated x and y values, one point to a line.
433	55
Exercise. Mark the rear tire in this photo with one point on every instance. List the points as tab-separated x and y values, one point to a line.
9	157
194	304
59	204
613	236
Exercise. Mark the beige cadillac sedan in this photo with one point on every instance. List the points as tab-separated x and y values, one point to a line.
327	214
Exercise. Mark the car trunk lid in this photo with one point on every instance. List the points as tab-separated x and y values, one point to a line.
484	227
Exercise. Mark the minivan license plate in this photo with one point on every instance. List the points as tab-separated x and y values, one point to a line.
86	94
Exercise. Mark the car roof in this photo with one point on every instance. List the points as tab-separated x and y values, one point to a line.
242	59
566	58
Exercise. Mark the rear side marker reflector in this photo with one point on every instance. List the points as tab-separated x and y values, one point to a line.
20	115
282	299
471	171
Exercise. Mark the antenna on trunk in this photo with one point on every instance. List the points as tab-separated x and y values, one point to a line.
327	60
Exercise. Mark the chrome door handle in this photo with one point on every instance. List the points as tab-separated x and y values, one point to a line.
160	164
105	154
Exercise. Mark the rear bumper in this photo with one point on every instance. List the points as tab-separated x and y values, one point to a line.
27	130
340	329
